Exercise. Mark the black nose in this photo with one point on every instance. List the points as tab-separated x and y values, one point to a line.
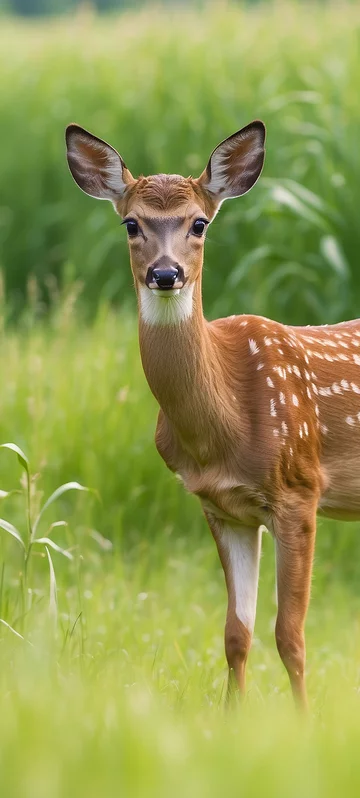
165	278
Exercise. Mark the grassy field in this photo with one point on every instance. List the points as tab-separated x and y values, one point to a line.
117	683
290	248
112	669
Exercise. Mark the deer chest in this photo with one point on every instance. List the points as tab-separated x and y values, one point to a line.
226	497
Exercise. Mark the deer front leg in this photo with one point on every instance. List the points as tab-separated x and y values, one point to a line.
239	550
295	542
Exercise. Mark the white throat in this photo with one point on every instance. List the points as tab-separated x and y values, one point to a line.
168	307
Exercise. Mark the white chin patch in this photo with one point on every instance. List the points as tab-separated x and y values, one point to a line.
166	307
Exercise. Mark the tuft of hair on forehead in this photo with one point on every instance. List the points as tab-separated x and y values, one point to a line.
167	192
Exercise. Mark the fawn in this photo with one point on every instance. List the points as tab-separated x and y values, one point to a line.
259	419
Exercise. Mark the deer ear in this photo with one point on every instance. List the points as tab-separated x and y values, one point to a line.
236	163
95	166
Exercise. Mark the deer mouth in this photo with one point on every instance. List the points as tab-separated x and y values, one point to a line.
165	292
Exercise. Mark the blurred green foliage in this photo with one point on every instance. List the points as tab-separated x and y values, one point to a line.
289	249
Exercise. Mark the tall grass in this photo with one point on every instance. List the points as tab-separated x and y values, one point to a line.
120	691
112	662
164	87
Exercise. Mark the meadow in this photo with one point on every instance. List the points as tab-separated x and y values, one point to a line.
113	672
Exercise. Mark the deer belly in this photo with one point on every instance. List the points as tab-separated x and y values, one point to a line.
341	497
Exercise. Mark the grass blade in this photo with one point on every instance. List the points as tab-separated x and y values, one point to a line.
21	456
54	546
12	531
57	493
53	588
17	634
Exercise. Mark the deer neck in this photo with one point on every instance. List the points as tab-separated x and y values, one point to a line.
182	364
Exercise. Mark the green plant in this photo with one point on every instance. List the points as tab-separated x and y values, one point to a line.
30	539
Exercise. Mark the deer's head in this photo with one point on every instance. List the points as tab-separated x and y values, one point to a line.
166	216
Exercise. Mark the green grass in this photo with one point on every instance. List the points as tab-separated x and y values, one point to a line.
116	683
290	248
122	693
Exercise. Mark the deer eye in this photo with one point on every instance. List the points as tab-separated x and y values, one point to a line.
198	227
132	227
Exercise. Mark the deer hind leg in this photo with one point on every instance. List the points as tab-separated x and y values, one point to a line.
295	542
239	550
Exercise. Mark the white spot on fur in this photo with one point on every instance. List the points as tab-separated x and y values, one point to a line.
267	341
276	433
282	398
317	411
272	407
355	388
300	431
284	427
259	367
324	429
306	428
308	392
295	400
281	372
166	308
269	382
296	371
254	349
356	359
336	388
350	420
345	385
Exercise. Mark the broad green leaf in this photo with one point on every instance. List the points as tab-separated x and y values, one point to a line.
249	260
21	456
310	198
54	546
57	493
282	196
332	253
12	531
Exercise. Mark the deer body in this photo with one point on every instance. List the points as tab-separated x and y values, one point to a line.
259	419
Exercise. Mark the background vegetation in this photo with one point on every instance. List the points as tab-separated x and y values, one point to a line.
289	249
112	662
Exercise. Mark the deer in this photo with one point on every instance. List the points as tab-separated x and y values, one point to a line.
260	420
